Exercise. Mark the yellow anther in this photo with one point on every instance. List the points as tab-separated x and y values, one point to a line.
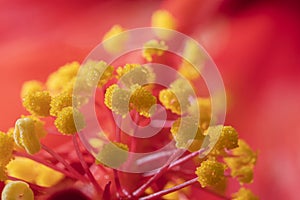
106	75
109	95
246	154
25	135
153	47
202	105
163	19
132	74
113	154
68	87
244	194
38	103
221	138
228	139
170	101
242	156
187	133
39	126
33	172
242	163
60	78
182	88
95	73
193	60
212	135
31	87
3	175
66	119
221	187
115	30
121	71
177	97
10	133
142	101
187	70
117	99
114	40
17	190
244	174
210	173
6	148
59	102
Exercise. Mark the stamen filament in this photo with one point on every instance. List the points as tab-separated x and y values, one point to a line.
120	191
169	190
185	158
177	162
60	159
85	166
162	170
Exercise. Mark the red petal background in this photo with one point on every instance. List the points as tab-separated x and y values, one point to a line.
255	44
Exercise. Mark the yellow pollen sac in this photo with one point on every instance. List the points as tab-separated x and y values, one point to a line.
176	98
193	60
33	172
124	70
10	133
245	153
244	194
154	47
114	40
6	148
31	87
95	73
132	74
142	101
67	88
66	119
242	162
182	87
60	78
170	101
39	126
3	175
210	173
106	76
59	102
187	70
38	103
202	105
17	190
228	140
117	99
113	154
243	174
109	95
25	135
187	133
165	20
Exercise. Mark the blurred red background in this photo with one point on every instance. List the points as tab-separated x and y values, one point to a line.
255	44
